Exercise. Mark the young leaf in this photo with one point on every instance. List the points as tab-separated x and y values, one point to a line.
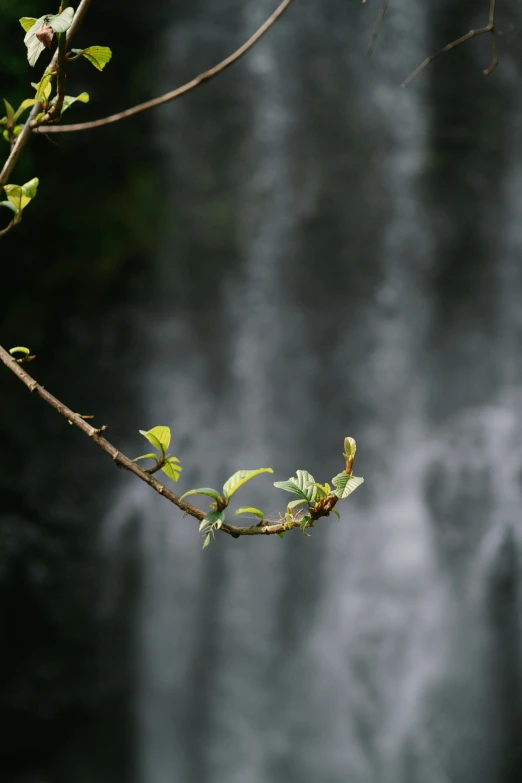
23	107
9	111
249	510
203	524
345	484
98	56
61	22
27	22
322	488
304	523
146	456
294	503
8	203
34	46
212	493
43	88
68	100
159	437
15	132
19	349
206	542
291	486
303	485
21	195
215	519
280	535
172	470
30	188
350	447
334	511
241	477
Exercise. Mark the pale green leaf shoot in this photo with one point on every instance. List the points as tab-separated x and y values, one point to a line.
159	437
61	22
345	484
249	510
212	493
172	469
27	22
241	477
98	56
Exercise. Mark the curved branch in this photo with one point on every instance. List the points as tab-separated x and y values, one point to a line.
265	527
179	91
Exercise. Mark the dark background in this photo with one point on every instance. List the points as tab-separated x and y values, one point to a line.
296	252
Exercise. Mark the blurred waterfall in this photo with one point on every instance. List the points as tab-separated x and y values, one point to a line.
374	651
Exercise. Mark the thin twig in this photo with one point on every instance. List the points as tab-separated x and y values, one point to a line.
179	91
489	28
378	23
265	527
14	222
26	131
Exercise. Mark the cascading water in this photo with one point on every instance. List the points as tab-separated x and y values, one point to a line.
373	652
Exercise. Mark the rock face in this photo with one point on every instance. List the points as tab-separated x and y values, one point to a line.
309	252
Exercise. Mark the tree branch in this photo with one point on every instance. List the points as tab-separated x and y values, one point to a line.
489	28
265	527
179	91
26	131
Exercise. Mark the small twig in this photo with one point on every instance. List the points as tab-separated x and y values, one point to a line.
321	509
377	26
489	28
179	91
14	222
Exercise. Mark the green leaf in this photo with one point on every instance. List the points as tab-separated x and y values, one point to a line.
61	22
171	469
98	56
212	493
294	503
304	522
206	542
290	486
159	437
146	456
9	111
215	519
280	535
27	22
30	188
34	46
19	349
323	488
345	484
303	485
241	477
68	100
249	510
334	511
9	206
203	524
43	88
21	195
23	107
